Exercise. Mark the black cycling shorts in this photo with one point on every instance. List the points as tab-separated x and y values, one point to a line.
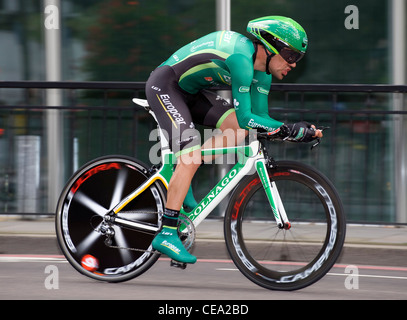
177	111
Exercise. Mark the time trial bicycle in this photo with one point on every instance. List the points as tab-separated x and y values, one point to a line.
284	224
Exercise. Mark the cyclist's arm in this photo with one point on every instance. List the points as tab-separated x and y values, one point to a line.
259	93
249	116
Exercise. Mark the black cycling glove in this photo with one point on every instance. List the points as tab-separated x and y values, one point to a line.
298	132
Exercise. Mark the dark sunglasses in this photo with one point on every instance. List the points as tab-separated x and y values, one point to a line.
288	53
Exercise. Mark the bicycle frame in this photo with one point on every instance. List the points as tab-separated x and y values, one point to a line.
250	157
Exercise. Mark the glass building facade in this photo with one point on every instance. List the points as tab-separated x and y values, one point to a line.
110	40
117	40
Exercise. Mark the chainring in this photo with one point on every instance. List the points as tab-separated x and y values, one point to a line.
186	231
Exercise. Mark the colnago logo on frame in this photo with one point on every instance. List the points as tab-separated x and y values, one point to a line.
215	191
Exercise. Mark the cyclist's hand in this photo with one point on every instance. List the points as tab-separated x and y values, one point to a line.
318	133
300	132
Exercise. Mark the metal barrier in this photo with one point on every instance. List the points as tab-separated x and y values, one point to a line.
363	152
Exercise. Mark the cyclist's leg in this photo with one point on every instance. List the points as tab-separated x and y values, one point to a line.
211	110
167	241
182	177
170	105
168	102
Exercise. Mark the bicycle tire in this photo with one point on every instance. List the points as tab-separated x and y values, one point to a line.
279	259
88	195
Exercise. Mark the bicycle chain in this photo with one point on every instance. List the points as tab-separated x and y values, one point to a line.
132	249
108	238
190	227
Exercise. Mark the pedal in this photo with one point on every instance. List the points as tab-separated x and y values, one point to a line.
177	264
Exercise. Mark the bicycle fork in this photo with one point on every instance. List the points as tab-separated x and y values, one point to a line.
272	195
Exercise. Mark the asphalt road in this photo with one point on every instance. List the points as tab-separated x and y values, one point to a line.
49	276
372	266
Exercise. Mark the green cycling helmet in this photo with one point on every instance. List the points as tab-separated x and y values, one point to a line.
280	35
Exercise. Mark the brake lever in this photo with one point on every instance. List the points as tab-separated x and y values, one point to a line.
316	143
319	139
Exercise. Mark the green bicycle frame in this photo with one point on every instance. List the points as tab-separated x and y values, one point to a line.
249	157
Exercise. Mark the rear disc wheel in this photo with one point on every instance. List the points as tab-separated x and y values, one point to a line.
87	197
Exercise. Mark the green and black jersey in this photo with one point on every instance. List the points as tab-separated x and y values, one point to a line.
177	90
226	58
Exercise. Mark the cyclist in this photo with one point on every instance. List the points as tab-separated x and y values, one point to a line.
177	93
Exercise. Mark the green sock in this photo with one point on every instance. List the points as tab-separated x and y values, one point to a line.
170	218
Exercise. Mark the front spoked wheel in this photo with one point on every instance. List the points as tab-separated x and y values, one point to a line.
88	196
280	259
